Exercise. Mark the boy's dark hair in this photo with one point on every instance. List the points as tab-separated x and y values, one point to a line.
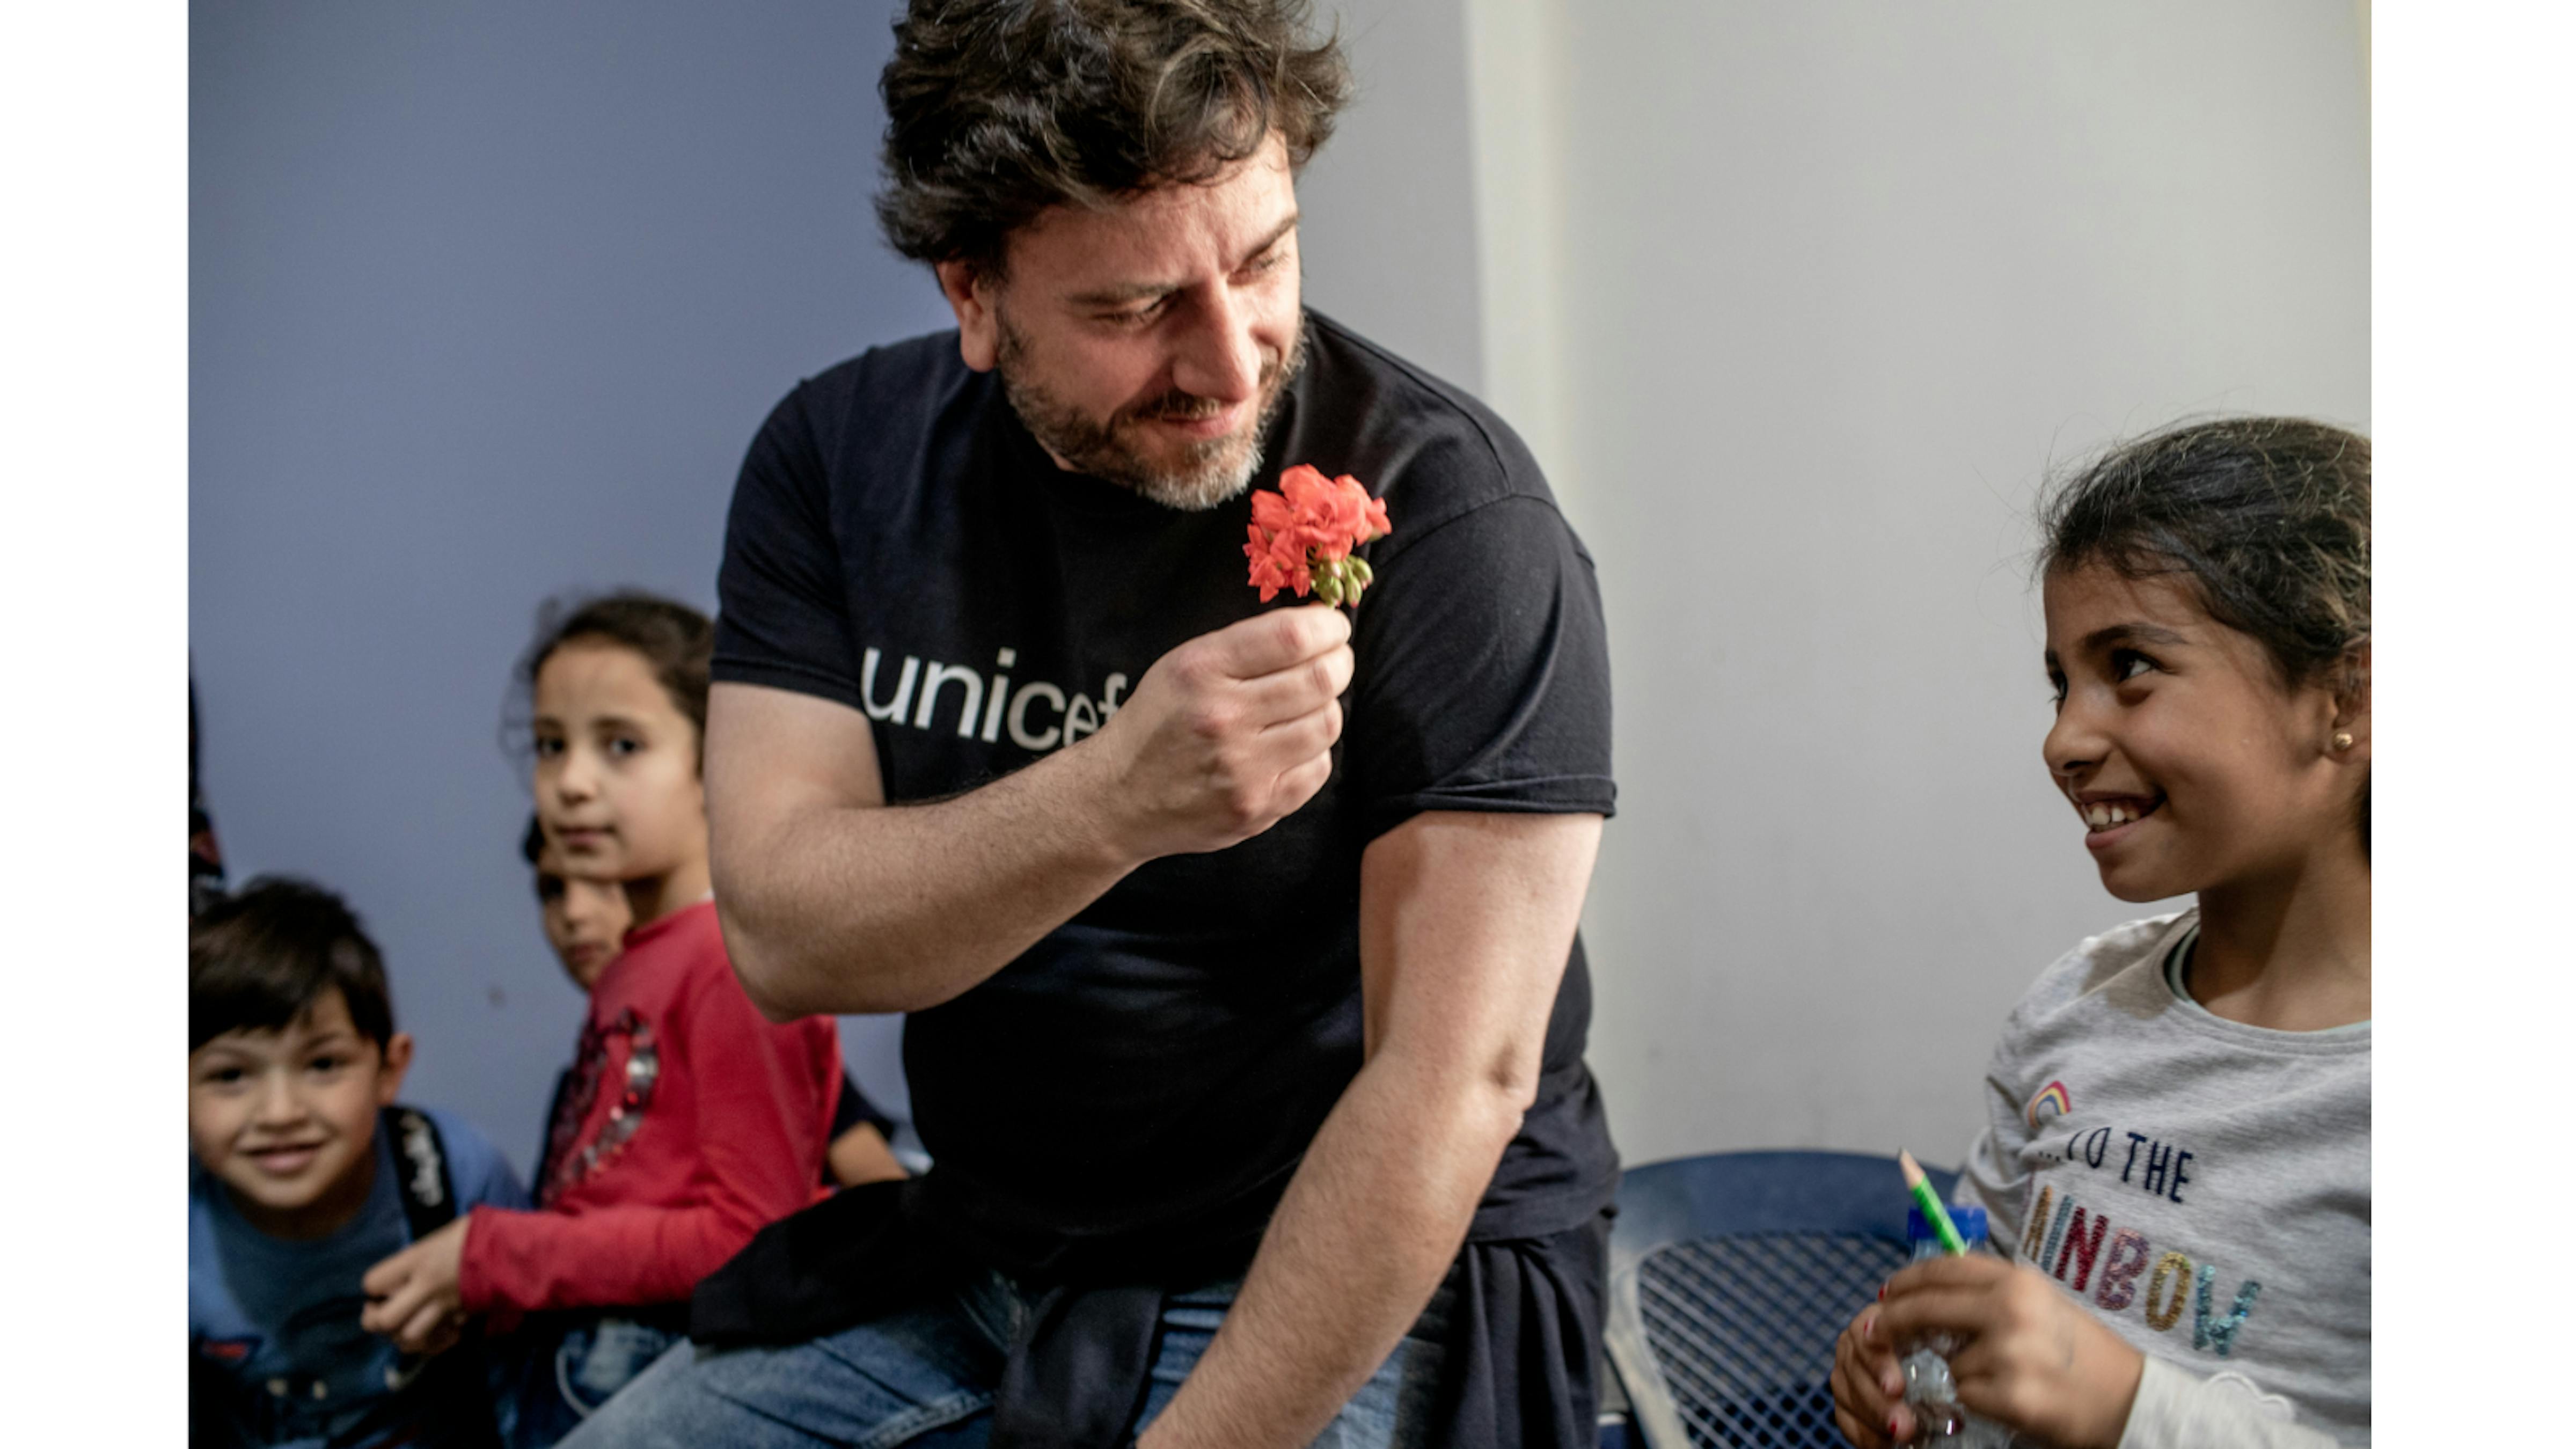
259	958
999	109
2268	519
675	639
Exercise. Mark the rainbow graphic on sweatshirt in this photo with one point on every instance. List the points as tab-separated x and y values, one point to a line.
2052	1101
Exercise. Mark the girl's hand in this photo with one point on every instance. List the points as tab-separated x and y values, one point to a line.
413	1297
2031	1357
1868	1385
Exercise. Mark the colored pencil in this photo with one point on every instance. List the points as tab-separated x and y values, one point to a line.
1930	1202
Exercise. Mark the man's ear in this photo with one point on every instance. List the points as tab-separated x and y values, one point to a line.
397	1061
971	294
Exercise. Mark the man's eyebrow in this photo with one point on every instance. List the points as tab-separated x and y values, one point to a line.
1286	225
1112	296
2131	633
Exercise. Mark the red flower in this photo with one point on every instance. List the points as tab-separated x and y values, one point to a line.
1301	537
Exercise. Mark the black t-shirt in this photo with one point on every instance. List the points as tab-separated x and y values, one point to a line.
899	544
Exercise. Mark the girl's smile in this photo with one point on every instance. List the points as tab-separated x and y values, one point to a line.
2109	817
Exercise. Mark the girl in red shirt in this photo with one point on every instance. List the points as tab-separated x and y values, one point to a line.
690	1121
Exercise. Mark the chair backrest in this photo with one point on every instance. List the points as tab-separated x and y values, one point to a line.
1730	1277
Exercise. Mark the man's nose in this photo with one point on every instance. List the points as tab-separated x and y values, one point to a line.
1220	359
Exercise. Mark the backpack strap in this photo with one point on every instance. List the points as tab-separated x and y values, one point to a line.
420	1160
443	1398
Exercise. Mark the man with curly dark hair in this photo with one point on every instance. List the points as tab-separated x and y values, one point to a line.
1246	1005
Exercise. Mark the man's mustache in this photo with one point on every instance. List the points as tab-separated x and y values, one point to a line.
1177	406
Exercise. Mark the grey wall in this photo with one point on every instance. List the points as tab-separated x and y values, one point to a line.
1389	238
1844	279
486	301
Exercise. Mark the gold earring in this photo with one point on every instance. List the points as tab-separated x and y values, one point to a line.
2343	740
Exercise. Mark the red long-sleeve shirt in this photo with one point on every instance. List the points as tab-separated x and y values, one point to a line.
690	1123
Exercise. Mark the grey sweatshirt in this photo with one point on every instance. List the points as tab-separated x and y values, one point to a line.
2201	1185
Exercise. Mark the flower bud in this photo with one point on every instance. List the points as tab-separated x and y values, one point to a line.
1301	537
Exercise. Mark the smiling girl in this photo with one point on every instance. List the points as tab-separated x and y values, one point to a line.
2177	1156
690	1121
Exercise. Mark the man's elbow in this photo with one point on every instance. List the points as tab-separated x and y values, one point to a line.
776	998
1493	1102
1511	1105
766	976
787	984
1511	1070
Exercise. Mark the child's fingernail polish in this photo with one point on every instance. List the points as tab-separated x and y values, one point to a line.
1891	1426
1882	1293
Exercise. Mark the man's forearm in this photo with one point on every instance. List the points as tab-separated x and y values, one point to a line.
1370	1223
1465	925
896	908
834	901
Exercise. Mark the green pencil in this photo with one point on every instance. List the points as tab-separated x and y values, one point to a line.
1930	1202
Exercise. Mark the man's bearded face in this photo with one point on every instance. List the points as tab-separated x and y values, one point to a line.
1191	474
1149	341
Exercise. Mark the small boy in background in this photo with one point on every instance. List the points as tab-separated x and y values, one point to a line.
305	1172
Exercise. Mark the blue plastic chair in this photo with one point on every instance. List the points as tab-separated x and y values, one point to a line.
1730	1277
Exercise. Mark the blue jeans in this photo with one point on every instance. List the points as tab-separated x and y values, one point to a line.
558	1381
925	1377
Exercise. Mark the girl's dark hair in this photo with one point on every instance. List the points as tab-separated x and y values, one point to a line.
259	958
676	640
2267	518
999	109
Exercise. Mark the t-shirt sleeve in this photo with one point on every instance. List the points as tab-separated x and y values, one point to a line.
1484	670
783	613
1993	1177
2178	1409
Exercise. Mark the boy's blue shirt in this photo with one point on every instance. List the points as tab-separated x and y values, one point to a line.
280	1318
